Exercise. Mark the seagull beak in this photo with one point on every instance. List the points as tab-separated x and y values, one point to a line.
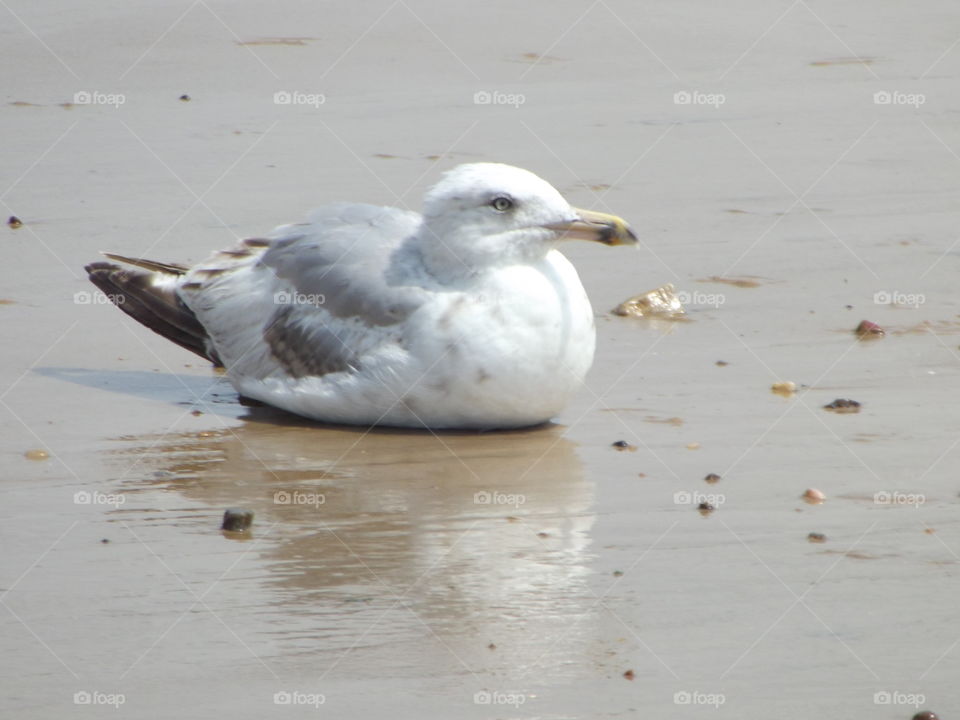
596	226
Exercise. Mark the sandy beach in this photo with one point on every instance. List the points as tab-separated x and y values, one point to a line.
791	168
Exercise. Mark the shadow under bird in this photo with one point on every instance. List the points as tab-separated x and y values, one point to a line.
464	317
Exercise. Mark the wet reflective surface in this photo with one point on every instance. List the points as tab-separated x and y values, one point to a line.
396	539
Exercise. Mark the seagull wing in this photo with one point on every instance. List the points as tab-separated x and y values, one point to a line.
314	298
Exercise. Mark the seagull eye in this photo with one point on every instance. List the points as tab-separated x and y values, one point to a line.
501	203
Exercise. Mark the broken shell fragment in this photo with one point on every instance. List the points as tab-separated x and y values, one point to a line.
841	405
36	454
785	388
662	301
867	329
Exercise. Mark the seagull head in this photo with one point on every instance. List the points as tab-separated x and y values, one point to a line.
484	215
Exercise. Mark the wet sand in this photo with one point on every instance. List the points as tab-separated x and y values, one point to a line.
411	575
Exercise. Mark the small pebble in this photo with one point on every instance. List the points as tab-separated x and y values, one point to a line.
36	454
926	715
814	496
867	329
841	405
104	540
721	363
491	646
705	508
712	478
629	675
817	537
543	535
618	573
785	388
623	445
196	413
184	98
237	519
14	222
693	446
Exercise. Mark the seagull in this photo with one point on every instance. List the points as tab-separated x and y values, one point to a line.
464	317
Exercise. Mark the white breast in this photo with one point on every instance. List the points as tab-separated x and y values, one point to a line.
510	351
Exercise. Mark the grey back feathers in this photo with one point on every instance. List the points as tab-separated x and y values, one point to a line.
343	291
343	261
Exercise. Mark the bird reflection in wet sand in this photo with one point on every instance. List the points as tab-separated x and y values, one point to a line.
412	552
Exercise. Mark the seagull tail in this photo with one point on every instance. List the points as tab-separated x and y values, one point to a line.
151	299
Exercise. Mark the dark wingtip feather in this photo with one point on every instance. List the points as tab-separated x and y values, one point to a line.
158	308
152	265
